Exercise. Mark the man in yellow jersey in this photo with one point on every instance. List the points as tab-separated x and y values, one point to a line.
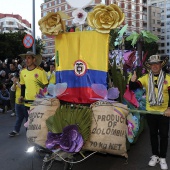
51	74
29	77
157	85
19	107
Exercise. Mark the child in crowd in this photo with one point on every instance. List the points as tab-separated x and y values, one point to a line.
19	107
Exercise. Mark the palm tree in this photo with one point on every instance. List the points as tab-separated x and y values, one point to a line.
141	38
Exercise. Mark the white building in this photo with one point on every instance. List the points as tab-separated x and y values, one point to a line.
14	23
165	24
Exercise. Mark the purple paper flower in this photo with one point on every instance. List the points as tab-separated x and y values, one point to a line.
69	141
42	93
53	140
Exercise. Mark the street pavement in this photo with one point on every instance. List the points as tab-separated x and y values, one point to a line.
14	157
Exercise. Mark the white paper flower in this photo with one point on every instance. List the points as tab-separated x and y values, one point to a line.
79	16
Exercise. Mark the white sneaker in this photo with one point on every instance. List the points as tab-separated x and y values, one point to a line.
154	160
163	164
12	114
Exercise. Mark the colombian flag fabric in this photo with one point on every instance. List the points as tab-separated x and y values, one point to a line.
81	60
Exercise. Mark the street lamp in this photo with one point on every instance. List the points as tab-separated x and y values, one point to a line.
33	25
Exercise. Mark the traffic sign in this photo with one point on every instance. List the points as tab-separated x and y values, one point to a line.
28	41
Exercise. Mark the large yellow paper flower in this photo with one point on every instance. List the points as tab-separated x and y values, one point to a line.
51	24
104	18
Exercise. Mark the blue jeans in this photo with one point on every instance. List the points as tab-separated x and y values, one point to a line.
21	113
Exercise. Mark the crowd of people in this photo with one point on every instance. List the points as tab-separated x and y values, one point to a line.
9	68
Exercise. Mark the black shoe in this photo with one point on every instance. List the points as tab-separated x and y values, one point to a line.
13	133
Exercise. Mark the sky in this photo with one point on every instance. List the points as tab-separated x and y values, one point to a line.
23	8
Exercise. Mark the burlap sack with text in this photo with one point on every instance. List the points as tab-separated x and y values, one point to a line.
108	130
40	111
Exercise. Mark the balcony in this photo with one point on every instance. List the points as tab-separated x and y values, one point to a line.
144	19
144	5
145	12
47	1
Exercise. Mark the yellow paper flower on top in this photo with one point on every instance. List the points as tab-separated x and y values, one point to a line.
52	23
104	18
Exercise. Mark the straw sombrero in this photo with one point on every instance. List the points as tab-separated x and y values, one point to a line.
155	59
37	57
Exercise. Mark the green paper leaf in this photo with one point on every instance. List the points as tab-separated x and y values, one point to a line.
122	31
133	37
67	115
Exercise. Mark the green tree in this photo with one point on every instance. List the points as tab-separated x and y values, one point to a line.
11	45
40	46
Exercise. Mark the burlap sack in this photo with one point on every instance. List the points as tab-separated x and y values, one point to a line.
40	111
108	130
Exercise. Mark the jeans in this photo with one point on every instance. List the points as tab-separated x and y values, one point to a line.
158	126
12	100
21	113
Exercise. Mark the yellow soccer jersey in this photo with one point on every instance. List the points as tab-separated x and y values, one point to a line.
145	81
17	94
29	79
51	76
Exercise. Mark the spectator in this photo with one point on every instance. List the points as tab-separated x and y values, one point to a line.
46	66
19	66
51	74
5	68
19	107
4	97
2	77
11	72
13	94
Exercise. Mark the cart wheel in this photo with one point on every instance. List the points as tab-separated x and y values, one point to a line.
42	151
68	166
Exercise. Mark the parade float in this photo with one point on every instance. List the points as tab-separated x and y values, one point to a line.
90	108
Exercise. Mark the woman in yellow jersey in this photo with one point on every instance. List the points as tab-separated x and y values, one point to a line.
157	85
19	107
51	74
